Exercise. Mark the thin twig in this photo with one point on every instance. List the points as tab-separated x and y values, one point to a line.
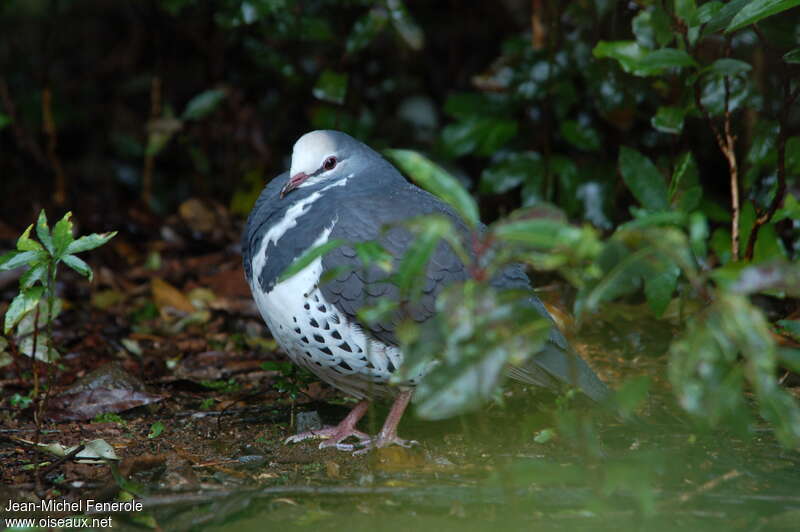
72	454
710	485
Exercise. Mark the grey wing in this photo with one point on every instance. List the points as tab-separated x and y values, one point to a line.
258	219
557	361
356	285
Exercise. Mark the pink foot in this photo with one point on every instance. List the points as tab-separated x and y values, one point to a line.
334	436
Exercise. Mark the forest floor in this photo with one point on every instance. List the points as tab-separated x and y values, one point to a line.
165	359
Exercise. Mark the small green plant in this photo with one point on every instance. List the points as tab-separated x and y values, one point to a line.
35	307
110	417
222	386
155	430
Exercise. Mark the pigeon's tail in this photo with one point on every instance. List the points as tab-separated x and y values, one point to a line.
554	366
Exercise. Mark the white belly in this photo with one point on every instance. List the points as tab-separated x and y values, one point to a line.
317	336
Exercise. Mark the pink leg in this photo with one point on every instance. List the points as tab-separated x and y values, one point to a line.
388	434
334	436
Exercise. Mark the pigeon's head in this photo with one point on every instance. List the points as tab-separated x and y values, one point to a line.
326	156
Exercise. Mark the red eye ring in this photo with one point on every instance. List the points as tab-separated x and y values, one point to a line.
330	163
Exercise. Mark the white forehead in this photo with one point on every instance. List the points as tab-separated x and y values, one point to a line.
310	150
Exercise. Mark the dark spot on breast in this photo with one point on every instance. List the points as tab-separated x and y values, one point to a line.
304	339
305	295
346	347
359	349
326	351
336	334
370	366
294	319
308	354
390	366
318	363
307	306
326	325
297	330
316	298
322	308
313	323
319	338
335	318
345	365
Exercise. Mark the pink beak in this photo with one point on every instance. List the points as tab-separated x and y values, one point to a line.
293	183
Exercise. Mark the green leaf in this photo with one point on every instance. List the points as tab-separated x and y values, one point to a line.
636	60
25	301
757	10
792	56
331	87
482	135
404	24
436	180
581	136
85	243
203	104
308	257
664	58
4	120
510	170
62	235
728	67
35	274
15	259
155	430
627	53
643	179
723	16
669	120
26	243
43	232
78	265
366	29
660	284
709	10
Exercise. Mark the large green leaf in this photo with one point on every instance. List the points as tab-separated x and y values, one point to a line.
78	265
433	178
43	232
85	243
62	235
643	179
15	259
479	134
23	303
757	10
26	243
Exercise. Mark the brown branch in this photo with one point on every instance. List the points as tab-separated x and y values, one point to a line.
49	124
726	141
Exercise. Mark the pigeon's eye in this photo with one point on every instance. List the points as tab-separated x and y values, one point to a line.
330	163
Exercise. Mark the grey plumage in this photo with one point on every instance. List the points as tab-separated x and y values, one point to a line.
367	199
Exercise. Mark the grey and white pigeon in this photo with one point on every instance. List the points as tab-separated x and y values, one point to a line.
339	188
